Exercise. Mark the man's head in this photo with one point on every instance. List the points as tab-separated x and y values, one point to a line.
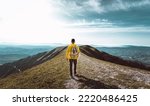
72	41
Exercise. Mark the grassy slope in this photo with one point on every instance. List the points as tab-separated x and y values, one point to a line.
95	73
50	74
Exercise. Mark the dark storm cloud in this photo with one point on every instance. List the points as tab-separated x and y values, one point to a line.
117	12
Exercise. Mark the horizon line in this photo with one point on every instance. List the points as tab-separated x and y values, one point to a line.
65	44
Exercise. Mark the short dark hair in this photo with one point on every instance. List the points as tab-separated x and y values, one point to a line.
73	40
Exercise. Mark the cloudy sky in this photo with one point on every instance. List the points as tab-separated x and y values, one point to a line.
99	22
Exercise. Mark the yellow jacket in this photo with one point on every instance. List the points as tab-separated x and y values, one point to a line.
69	52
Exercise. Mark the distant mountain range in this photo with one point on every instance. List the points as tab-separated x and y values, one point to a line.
97	69
139	54
10	53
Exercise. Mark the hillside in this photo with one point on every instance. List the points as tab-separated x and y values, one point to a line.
29	62
95	70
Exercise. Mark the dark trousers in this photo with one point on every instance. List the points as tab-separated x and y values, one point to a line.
73	62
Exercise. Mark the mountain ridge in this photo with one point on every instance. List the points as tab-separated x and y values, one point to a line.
34	60
28	62
93	72
93	52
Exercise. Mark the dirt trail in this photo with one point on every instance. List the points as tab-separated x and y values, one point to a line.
94	73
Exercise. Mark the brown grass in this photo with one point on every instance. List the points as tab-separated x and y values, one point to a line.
100	74
51	74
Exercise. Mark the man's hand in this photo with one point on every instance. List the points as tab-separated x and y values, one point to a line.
67	59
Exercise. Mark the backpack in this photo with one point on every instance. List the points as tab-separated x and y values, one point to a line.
74	52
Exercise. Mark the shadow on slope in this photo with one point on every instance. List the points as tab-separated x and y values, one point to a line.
29	62
92	52
93	84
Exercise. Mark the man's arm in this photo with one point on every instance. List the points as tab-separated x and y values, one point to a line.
67	52
78	50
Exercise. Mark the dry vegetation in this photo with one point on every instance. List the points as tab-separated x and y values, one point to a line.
93	73
51	74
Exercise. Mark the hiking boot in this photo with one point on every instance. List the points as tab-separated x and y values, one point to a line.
76	78
76	74
71	76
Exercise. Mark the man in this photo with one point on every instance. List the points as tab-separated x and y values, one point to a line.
72	55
